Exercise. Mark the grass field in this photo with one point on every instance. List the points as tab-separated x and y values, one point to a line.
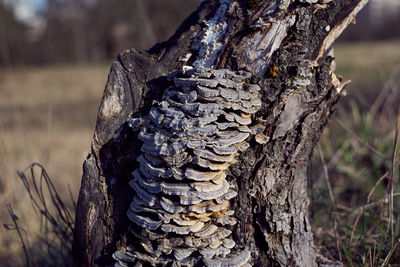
47	115
355	211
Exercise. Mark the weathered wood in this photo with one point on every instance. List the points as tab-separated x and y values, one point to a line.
286	50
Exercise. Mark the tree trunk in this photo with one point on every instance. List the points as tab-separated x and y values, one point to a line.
285	45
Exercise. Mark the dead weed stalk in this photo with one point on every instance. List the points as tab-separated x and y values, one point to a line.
56	221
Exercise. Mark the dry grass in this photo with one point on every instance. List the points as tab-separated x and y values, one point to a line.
358	164
47	115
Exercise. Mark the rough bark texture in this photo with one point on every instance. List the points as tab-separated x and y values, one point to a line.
287	55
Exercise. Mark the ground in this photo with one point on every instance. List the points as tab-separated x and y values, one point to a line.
47	115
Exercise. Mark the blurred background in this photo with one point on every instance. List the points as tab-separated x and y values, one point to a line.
54	61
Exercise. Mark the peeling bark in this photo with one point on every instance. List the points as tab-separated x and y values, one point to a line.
285	45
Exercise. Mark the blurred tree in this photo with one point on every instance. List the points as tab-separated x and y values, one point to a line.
92	31
11	37
64	39
369	27
96	30
386	29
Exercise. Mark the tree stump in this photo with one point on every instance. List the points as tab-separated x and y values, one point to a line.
286	46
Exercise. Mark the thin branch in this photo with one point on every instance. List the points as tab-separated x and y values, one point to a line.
392	175
332	198
384	92
389	255
25	245
147	25
367	205
373	149
44	198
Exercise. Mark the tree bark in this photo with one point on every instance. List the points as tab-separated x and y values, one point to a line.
285	45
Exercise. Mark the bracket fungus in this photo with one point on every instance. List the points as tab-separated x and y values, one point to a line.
180	212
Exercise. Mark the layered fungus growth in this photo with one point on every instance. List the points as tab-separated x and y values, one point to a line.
180	213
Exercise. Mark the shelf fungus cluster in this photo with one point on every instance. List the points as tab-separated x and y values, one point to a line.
180	212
